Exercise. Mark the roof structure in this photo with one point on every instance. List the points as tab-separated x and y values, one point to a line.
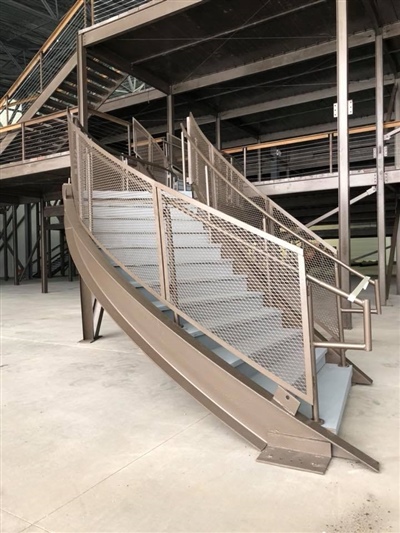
25	26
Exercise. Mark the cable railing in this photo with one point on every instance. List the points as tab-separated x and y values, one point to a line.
106	9
35	138
219	184
310	155
58	48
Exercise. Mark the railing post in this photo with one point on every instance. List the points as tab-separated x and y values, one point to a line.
5	241
41	71
207	186
23	140
129	139
245	162
315	406
183	160
43	247
15	243
331	153
7	117
340	317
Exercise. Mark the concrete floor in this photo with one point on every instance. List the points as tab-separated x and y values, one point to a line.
96	438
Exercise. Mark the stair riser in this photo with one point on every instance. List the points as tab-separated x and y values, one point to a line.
149	239
261	327
140	256
187	271
145	225
132	212
198	289
222	310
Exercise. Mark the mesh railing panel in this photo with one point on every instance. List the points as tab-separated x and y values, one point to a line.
242	288
146	148
226	192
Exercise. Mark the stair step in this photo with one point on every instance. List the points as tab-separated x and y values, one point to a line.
144	255
150	271
139	239
144	224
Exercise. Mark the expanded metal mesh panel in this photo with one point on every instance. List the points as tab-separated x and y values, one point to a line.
225	191
241	288
252	302
146	148
116	205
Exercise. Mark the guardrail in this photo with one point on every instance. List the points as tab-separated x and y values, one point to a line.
310	154
273	267
106	9
221	185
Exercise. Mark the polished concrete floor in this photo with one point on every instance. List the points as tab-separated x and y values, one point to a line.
96	438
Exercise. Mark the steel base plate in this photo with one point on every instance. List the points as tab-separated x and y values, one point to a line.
297	460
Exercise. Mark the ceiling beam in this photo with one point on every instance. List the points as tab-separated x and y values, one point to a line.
28	9
136	18
250	24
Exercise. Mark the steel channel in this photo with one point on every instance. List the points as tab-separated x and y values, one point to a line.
15	243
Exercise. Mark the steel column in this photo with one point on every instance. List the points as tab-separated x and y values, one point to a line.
397	165
28	239
15	243
343	146
37	237
86	296
43	249
82	82
218	143
170	114
5	248
380	168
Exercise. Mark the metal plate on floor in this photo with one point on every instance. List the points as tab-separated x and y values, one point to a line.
294	459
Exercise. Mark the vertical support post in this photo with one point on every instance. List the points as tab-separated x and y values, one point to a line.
43	249
41	71
245	162
331	153
49	248
62	253
129	139
82	82
380	168
37	237
315	406
397	165
6	110
343	146
5	248
170	114
15	243
183	160
207	186
86	295
23	140
218	144
393	246
92	12
259	164
28	239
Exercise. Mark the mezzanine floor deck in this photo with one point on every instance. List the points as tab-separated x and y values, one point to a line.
96	438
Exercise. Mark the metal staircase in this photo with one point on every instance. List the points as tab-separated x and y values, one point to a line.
225	306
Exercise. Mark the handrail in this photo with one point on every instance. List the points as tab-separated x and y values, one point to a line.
366	310
38	120
299	237
36	58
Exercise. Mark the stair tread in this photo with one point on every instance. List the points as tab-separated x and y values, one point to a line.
221	298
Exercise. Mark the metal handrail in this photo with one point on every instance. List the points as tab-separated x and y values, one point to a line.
365	310
334	258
